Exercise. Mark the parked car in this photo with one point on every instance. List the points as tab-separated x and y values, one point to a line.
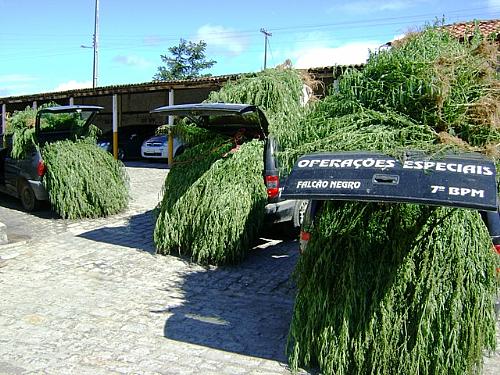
22	178
130	140
230	119
156	147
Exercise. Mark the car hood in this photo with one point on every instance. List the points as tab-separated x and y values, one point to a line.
157	138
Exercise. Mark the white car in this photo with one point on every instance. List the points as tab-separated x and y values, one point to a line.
156	147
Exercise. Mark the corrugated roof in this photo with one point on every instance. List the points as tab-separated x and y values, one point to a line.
122	88
201	82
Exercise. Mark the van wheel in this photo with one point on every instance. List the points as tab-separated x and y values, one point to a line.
27	196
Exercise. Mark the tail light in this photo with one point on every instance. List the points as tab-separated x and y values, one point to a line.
304	240
497	248
272	185
41	168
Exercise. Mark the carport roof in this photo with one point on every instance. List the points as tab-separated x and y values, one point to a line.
203	82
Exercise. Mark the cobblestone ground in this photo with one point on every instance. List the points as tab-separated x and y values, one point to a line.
91	297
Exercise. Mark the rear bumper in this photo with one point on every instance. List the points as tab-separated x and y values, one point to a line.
39	190
280	211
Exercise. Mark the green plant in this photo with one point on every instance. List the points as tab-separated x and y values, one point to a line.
213	202
83	180
400	288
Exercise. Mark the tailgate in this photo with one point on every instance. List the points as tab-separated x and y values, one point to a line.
463	180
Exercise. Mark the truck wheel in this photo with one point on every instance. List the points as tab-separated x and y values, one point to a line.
298	214
291	229
27	196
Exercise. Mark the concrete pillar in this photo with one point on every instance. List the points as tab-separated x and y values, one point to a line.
170	135
71	100
115	126
4	117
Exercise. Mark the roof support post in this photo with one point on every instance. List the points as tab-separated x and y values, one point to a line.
170	135
4	121
115	126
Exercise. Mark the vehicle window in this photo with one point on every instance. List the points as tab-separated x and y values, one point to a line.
70	122
247	119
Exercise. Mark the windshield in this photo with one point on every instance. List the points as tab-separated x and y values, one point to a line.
61	125
71	122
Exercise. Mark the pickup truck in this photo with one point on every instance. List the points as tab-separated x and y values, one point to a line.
457	180
233	119
23	177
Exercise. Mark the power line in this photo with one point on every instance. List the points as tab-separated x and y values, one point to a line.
112	43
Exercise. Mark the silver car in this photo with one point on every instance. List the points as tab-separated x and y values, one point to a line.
156	147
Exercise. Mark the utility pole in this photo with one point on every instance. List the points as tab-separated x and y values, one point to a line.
96	44
266	35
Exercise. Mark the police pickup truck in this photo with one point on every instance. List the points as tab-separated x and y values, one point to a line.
457	180
22	177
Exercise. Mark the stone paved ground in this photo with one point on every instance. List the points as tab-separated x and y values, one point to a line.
91	297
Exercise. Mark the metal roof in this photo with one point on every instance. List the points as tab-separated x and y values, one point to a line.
123	88
202	82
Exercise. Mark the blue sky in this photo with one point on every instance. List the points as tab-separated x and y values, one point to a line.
40	40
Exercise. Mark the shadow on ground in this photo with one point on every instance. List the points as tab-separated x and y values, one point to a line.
244	309
137	233
43	212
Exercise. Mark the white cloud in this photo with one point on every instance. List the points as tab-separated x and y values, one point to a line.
73	85
16	84
133	60
351	53
222	38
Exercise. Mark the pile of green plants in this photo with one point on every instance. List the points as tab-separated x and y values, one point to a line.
278	92
82	180
214	195
213	204
401	288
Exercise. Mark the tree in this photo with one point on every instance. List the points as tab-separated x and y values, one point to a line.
187	60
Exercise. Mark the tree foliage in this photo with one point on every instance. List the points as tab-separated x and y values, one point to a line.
186	61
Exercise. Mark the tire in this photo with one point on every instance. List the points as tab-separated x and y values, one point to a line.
299	212
27	196
291	229
179	151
